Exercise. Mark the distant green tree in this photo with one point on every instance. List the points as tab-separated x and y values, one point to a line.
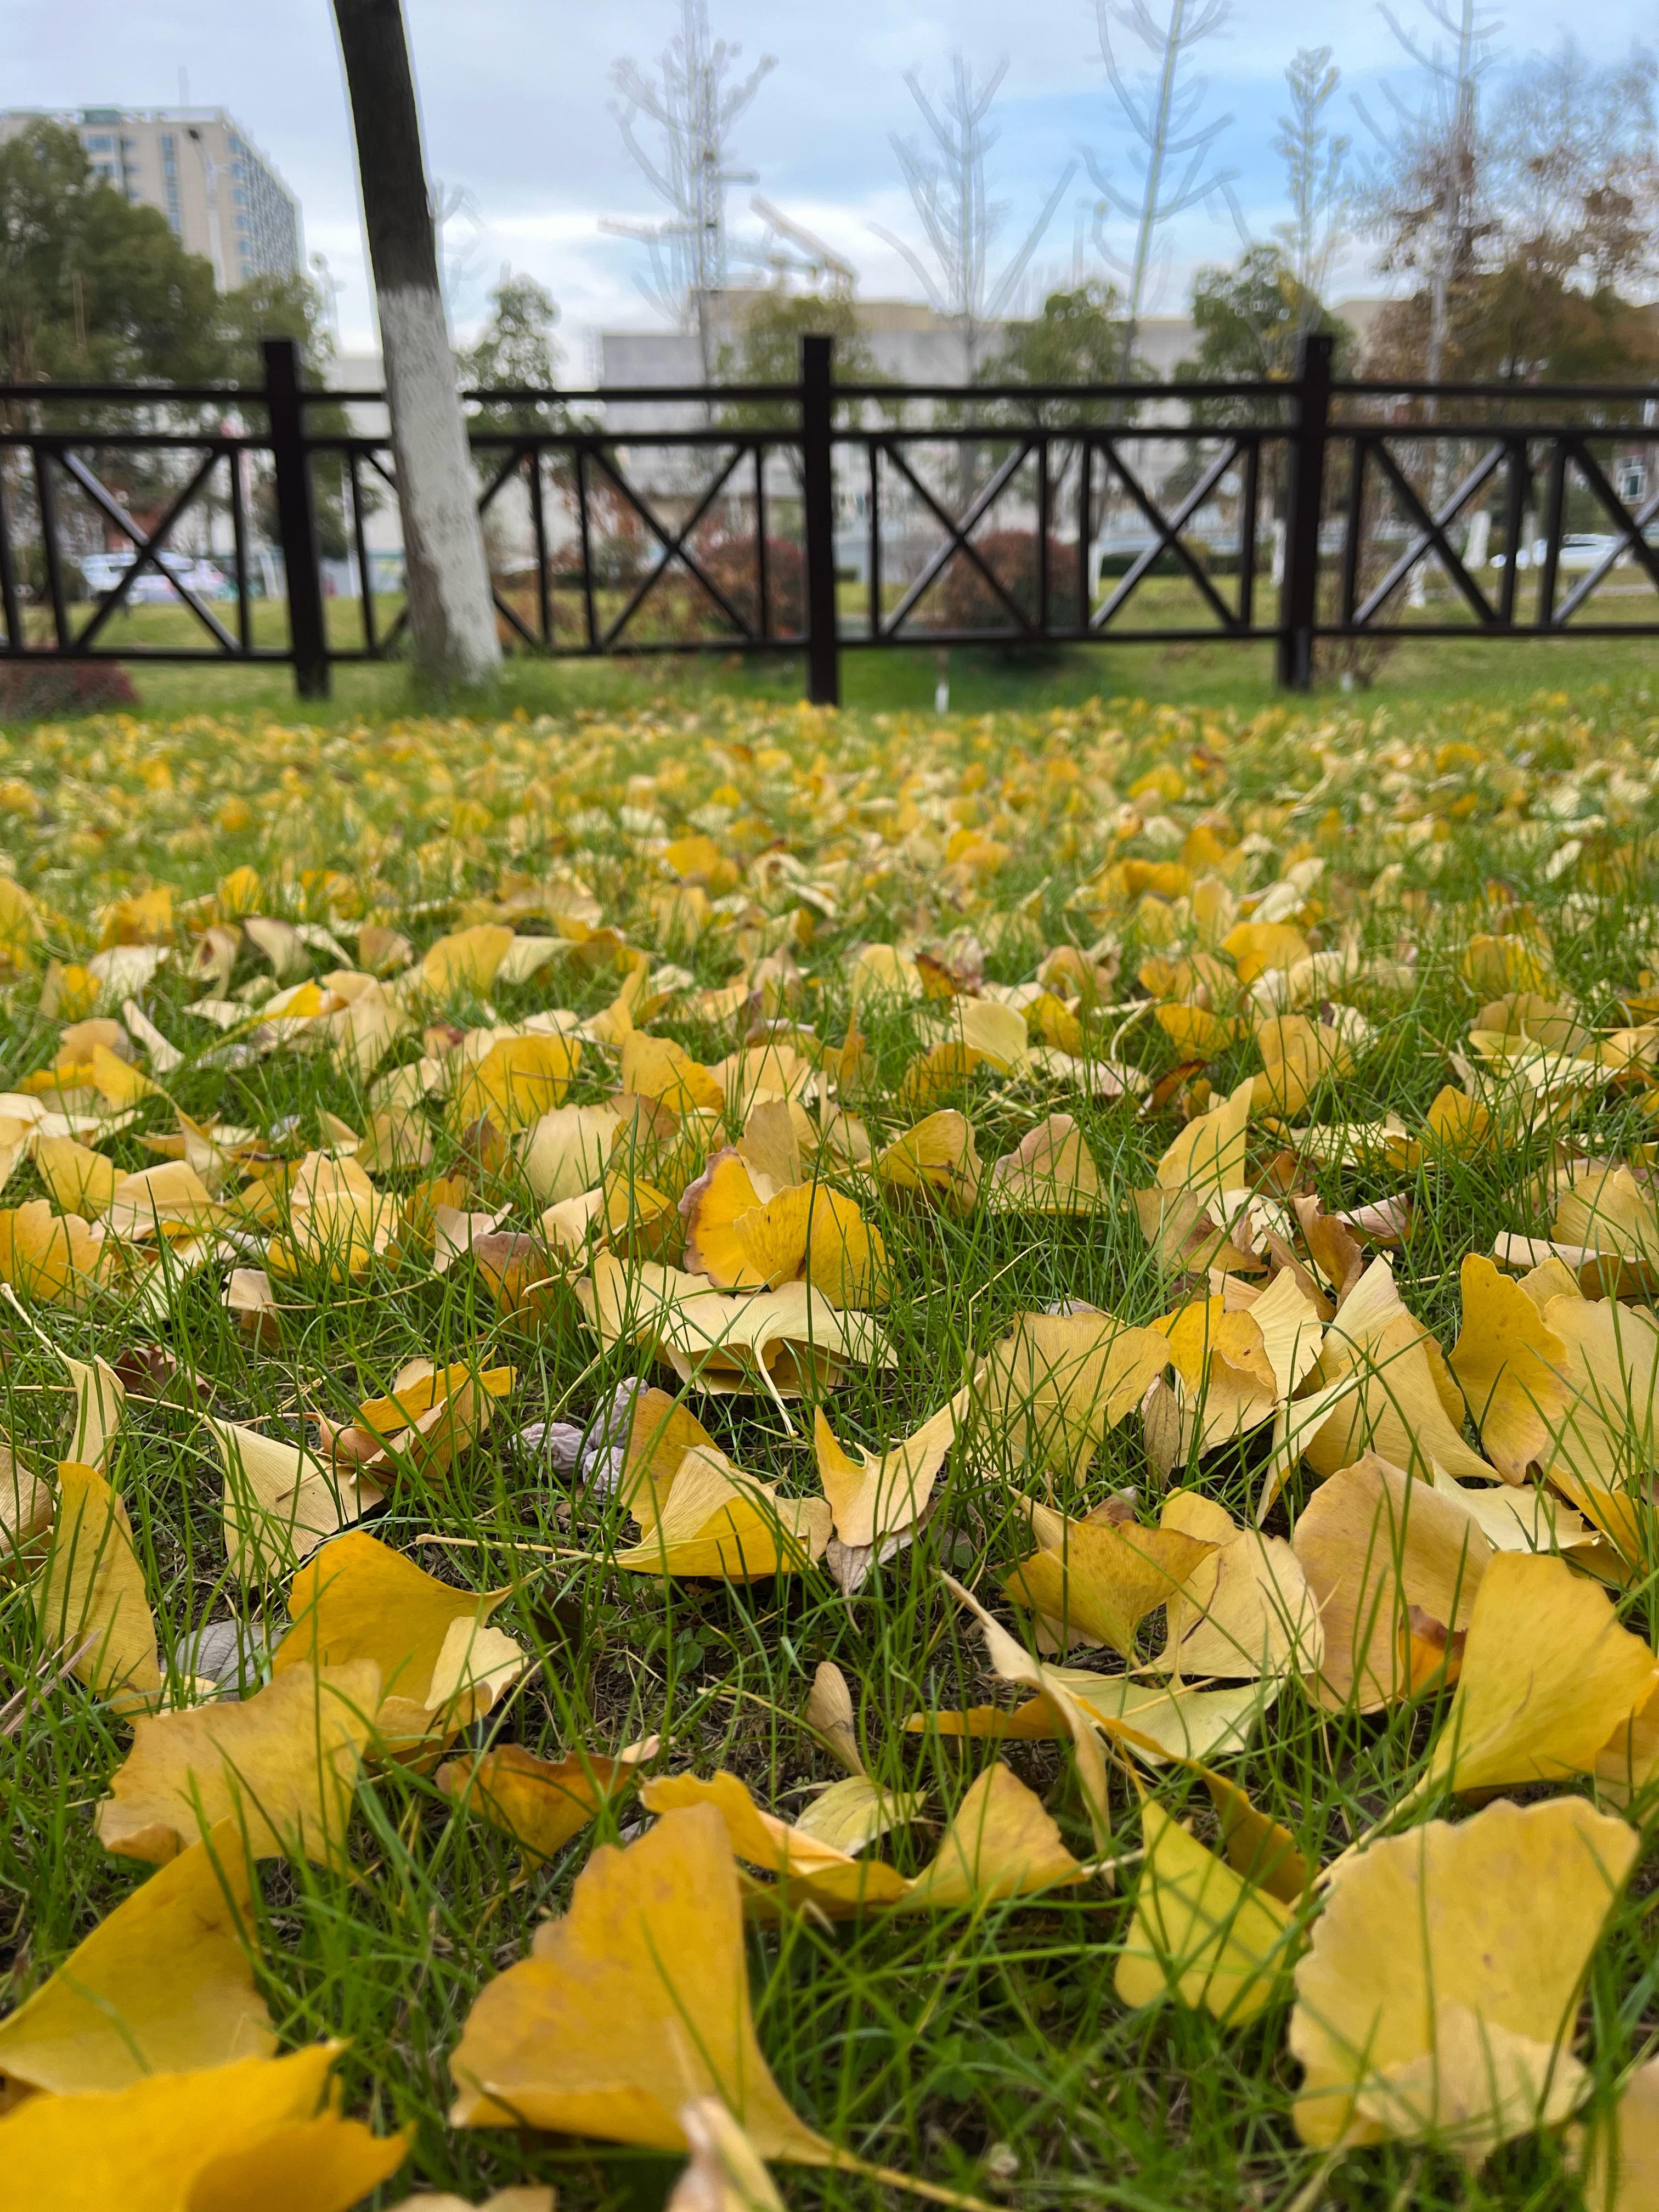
92	289
1076	339
769	351
516	351
1250	317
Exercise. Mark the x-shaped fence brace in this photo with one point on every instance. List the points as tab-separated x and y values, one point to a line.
1632	528
1167	530
149	548
1431	528
958	537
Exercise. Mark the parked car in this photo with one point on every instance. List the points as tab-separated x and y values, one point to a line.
1581	548
103	572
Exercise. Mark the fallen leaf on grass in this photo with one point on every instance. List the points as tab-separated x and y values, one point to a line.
808	1866
541	1802
1050	1171
769	1341
282	1501
430	1416
91	1599
632	2003
1096	1581
724	2173
1509	1363
163	1985
1051	1389
718	1522
1619	2151
936	1158
1245	1610
440	1665
256	2137
1548	1674
1440	1990
283	1764
567	1152
1374	1543
1200	1932
54	1258
879	1503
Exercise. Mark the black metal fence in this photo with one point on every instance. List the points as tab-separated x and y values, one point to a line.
214	525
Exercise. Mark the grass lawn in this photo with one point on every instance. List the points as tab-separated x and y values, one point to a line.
1322	1003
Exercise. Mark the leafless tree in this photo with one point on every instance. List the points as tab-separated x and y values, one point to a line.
1428	190
693	99
1174	149
1317	179
1576	170
451	616
959	221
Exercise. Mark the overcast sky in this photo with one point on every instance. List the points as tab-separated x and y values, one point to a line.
516	100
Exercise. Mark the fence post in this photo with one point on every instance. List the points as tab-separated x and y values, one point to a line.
1305	501
818	485
296	519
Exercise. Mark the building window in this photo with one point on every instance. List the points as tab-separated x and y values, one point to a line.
167	142
100	141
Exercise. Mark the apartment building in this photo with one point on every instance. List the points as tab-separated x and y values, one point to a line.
222	196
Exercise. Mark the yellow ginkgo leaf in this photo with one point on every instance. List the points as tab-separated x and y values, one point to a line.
77	1179
432	1414
810	1229
1254	947
541	1802
566	1152
324	2165
195	2142
725	2172
632	2002
1000	1844
466	962
1050	1171
518	1081
1374	1545
657	1067
1051	1389
163	1984
1245	1610
856	1811
283	1764
810	1866
1208	1157
1497	1916
878	1502
769	1341
282	1501
1620	2165
937	1158
442	1666
1548	1674
55	1259
1100	1580
1300	1054
711	1207
1199	1932
1509	1363
1379	1391
719	1522
91	1608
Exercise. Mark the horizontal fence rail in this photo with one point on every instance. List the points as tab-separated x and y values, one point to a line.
206	523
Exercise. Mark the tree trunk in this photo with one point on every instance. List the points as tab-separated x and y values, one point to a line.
450	616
